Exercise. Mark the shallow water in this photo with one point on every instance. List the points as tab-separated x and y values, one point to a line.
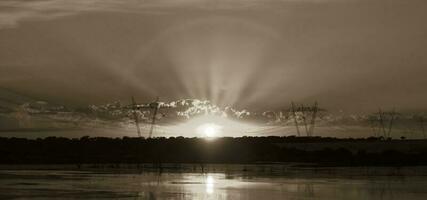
54	184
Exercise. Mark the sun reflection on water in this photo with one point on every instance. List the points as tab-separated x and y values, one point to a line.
210	183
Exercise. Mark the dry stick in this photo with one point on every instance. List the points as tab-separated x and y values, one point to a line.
295	118
313	119
135	116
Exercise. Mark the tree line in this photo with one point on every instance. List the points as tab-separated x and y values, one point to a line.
99	150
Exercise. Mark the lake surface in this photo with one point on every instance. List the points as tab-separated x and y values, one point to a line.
57	184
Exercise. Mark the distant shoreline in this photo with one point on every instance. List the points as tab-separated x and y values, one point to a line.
243	169
308	151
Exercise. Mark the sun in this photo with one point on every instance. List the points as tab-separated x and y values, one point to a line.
211	127
209	130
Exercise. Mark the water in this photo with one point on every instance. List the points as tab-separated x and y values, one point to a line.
55	184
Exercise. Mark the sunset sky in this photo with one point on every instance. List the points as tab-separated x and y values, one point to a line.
351	55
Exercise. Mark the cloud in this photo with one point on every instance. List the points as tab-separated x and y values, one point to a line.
41	115
330	53
13	12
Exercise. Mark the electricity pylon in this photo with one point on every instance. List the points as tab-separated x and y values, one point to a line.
155	107
313	118
383	117
295	117
135	116
305	112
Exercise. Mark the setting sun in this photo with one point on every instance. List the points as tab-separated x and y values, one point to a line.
209	130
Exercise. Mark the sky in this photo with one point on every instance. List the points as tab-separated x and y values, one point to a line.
354	55
221	68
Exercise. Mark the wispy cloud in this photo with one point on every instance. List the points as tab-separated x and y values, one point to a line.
12	12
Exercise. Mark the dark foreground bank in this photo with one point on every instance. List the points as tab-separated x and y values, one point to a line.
312	150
